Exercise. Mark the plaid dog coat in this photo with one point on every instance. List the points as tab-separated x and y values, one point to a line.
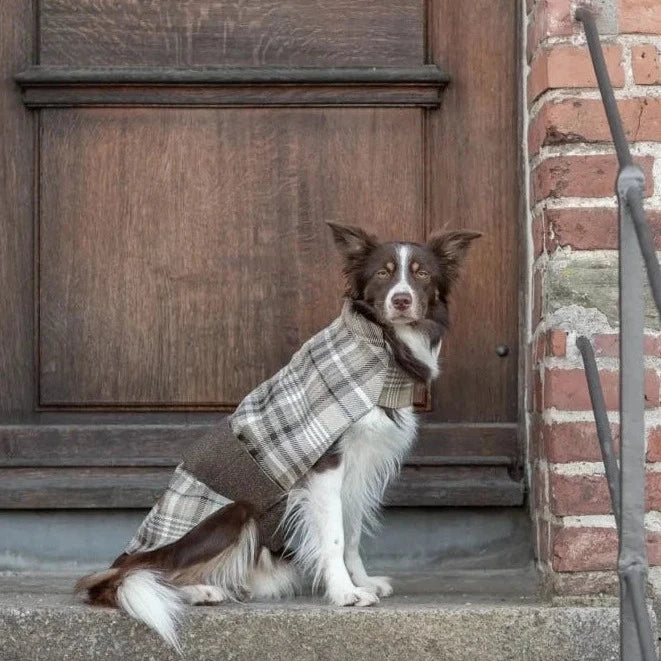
280	430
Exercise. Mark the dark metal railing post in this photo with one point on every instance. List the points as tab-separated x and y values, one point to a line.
632	556
626	485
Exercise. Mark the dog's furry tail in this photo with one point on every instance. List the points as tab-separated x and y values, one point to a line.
142	594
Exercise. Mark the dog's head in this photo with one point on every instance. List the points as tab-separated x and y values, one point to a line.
403	283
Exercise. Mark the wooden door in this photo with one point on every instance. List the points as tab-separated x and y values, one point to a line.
168	169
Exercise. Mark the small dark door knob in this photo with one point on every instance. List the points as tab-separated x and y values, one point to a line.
502	350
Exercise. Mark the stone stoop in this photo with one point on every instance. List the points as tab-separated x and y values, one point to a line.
460	616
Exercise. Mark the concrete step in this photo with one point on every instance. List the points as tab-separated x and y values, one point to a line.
455	616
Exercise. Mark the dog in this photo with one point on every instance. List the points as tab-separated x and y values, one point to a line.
399	288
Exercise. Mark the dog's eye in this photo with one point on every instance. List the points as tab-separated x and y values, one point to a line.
423	275
382	273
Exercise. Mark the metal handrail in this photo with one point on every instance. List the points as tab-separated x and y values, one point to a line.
626	484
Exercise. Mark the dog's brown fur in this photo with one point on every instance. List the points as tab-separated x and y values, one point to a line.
183	562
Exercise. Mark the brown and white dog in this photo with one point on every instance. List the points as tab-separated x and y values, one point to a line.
403	287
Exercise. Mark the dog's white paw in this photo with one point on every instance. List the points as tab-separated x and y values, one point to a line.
378	585
203	595
355	597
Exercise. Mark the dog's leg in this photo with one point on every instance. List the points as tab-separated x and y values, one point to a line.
379	585
324	504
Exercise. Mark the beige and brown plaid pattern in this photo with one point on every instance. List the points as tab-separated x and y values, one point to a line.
185	503
337	376
289	421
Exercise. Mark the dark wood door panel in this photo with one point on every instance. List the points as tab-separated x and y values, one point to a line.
159	439
139	487
141	288
475	177
182	253
232	33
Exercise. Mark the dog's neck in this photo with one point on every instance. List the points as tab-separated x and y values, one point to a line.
415	347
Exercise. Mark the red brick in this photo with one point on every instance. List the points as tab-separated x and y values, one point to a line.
594	549
582	176
538	235
588	494
570	66
584	120
574	441
654	444
579	494
539	348
552	18
537	440
552	343
567	389
538	392
556	343
645	64
608	345
539	481
639	16
590	229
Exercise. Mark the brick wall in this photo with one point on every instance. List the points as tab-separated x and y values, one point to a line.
572	217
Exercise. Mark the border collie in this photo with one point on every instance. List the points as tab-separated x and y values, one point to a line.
403	288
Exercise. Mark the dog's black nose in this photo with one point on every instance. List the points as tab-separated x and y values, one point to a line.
402	301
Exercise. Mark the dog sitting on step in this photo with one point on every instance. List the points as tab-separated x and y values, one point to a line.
279	494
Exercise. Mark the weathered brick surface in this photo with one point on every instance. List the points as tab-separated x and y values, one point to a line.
588	494
538	231
576	274
654	444
574	441
640	16
588	229
589	280
552	343
646	65
582	176
577	120
608	345
551	18
570	66
593	549
567	389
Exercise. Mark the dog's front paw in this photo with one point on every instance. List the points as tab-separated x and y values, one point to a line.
355	597
378	585
203	595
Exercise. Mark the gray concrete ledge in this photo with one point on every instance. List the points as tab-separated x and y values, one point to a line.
493	615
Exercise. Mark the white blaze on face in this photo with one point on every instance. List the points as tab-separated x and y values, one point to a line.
402	285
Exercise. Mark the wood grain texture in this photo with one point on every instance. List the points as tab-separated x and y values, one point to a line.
183	254
49	86
471	486
474	184
128	442
231	33
88	488
391	94
43	75
16	176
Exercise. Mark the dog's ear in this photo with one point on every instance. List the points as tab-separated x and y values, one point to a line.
450	249
352	242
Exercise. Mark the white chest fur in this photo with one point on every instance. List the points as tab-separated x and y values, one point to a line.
372	451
